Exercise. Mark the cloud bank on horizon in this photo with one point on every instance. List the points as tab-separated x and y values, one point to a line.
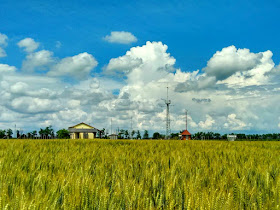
237	90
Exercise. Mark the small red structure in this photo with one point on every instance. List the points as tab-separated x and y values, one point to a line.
186	135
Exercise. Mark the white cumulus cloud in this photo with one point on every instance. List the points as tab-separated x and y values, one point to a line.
144	63
207	124
120	37
78	66
3	39
230	60
34	105
233	123
28	44
5	68
38	61
3	43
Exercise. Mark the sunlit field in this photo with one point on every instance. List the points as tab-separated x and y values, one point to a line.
138	174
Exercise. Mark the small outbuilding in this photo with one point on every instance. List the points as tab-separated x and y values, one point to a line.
83	131
231	137
113	136
186	135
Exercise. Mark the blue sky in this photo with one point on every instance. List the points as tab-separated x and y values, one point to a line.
59	65
193	30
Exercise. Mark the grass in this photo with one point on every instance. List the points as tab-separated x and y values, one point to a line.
107	174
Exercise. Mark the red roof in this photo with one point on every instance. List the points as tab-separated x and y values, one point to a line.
186	133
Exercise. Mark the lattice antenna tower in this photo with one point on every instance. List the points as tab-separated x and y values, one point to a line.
167	102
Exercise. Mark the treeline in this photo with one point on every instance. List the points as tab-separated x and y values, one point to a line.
43	133
239	136
125	134
48	133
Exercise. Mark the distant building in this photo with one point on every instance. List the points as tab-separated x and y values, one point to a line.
113	136
186	135
83	131
231	137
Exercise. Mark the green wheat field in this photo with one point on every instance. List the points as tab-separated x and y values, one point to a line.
134	174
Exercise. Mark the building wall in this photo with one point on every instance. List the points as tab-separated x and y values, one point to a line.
83	126
82	135
113	137
186	137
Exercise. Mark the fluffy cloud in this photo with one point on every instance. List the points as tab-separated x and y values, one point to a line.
233	123
5	68
230	60
207	124
19	87
3	39
58	44
2	53
233	68
34	105
78	66
199	82
120	37
28	44
3	43
143	64
38	61
122	64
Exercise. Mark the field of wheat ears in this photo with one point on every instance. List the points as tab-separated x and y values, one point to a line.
106	174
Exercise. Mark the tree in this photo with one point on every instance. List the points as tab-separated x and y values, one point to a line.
34	134
156	135
146	135
2	134
138	136
103	133
120	134
217	136
126	134
47	132
132	133
29	135
63	134
9	133
42	133
174	135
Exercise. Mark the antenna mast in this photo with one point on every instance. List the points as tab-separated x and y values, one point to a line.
111	126
186	119
131	128
167	102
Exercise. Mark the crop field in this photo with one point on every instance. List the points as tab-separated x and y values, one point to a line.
134	174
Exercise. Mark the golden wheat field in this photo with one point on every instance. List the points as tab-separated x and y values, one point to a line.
106	174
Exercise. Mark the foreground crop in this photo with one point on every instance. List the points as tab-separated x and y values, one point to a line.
102	174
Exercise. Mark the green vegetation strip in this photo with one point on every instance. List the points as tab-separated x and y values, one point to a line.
104	174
